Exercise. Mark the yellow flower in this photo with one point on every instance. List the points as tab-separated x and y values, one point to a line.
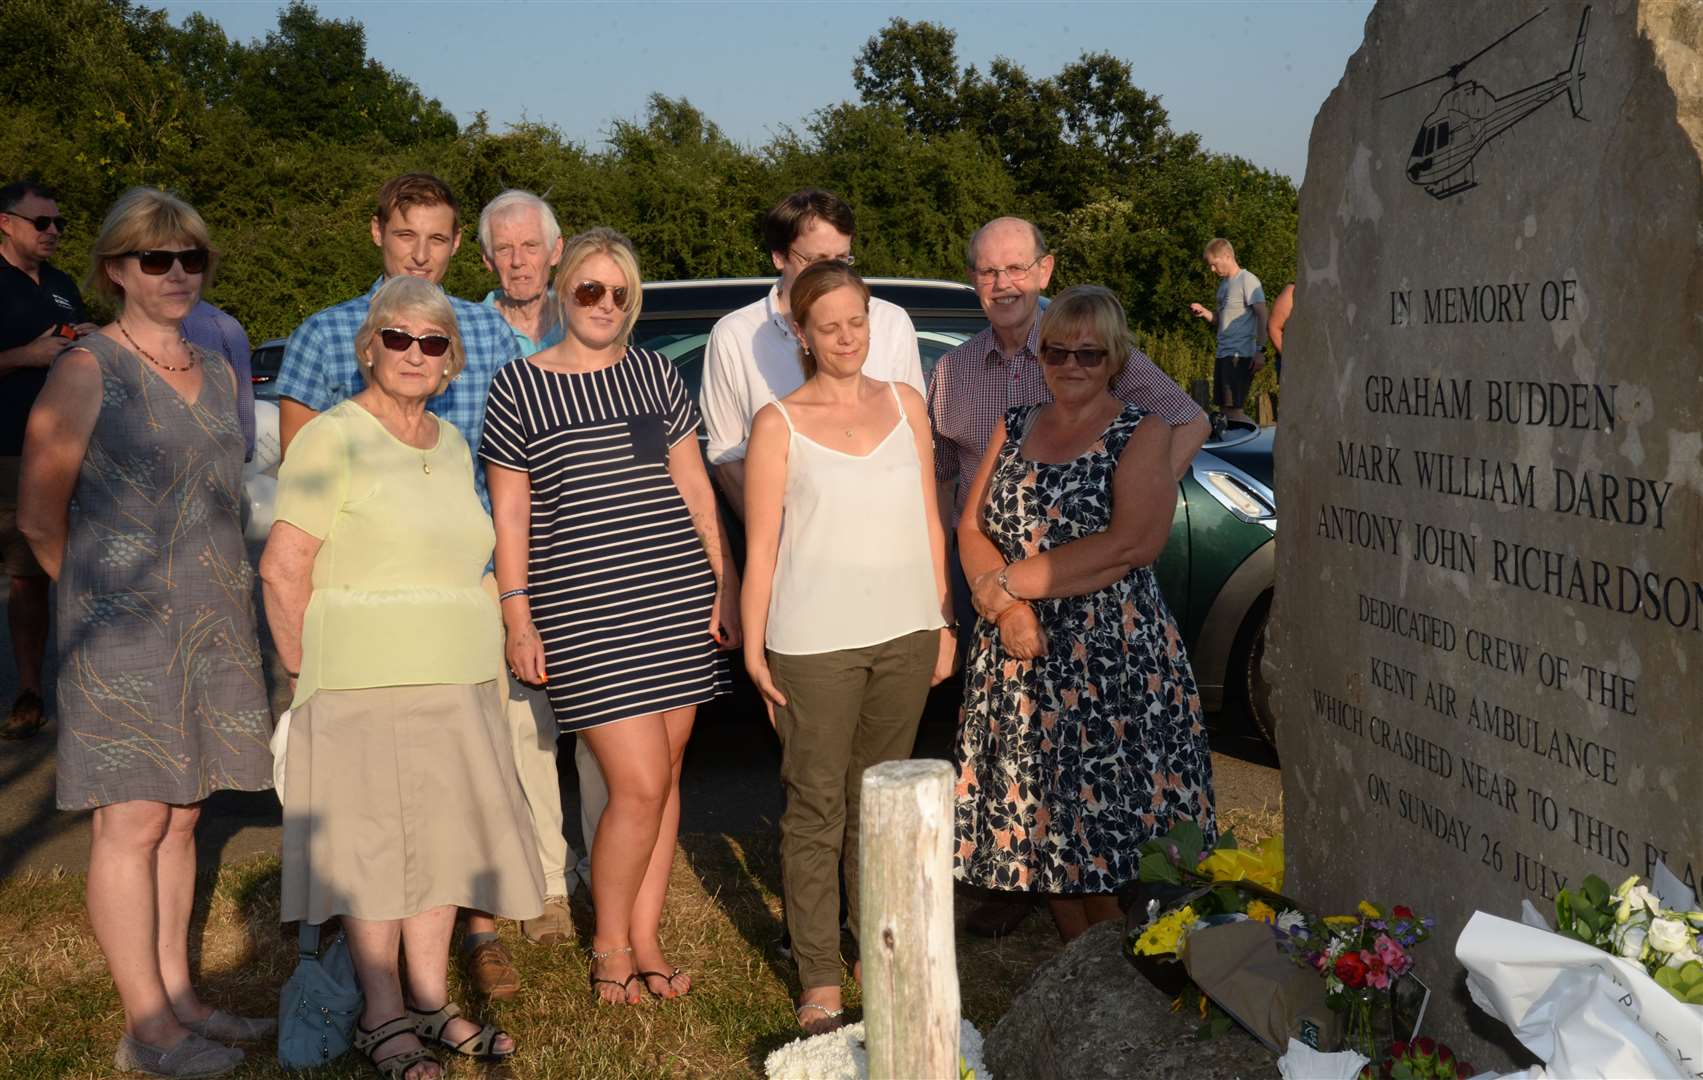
1342	920
1161	938
1369	911
1262	865
1260	911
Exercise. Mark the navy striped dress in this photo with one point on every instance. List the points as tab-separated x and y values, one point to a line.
620	588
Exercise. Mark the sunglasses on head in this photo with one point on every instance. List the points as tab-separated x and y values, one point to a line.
1054	356
398	341
41	223
155	263
588	293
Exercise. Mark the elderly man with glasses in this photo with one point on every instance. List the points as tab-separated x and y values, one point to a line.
973	386
752	356
41	312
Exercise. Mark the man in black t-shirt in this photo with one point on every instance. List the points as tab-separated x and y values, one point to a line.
41	312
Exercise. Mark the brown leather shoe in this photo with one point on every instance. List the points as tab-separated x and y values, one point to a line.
1000	914
492	972
554	927
26	718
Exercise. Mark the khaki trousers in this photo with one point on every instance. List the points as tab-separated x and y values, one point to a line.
532	725
845	711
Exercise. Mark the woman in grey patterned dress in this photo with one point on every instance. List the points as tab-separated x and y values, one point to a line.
130	500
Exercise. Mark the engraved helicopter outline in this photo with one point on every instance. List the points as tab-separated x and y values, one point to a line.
1468	116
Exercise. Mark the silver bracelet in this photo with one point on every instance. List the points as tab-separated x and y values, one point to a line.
511	592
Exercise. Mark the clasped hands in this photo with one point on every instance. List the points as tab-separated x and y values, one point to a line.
1020	629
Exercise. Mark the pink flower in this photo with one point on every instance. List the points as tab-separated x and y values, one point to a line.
1377	975
1388	950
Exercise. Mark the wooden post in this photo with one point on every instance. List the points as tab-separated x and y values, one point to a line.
910	964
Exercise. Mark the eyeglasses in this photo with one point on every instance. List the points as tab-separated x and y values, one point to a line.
41	223
811	260
1054	356
398	341
589	293
155	263
987	275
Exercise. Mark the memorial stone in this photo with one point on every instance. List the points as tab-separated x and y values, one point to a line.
1487	640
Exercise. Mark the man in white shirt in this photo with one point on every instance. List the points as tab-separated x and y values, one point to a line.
752	356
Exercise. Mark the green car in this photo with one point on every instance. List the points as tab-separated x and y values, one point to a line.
1216	572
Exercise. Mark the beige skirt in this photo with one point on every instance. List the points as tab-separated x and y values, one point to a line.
405	798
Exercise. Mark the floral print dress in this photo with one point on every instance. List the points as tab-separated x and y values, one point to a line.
1069	762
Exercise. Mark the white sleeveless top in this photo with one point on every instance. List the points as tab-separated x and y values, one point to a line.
854	567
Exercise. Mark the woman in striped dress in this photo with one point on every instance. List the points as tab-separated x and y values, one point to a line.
617	589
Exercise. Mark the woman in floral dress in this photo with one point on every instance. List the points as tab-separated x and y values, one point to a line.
1081	735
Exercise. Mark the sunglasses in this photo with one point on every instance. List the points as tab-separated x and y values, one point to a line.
1057	357
155	263
398	341
41	223
588	293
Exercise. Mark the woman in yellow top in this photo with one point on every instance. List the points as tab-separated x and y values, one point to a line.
401	800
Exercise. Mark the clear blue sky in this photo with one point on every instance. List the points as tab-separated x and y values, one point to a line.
1248	76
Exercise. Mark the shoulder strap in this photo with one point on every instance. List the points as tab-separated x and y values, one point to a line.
1122	427
785	416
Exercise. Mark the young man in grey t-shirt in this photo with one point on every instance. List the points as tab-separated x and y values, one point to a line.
1239	316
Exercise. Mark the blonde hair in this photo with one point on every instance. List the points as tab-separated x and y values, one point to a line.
818	280
1093	308
1219	246
406	294
601	240
144	218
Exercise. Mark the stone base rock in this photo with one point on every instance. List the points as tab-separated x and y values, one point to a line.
1088	1014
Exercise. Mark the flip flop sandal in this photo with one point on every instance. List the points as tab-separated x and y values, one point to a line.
622	983
396	1066
666	976
833	1015
479	1045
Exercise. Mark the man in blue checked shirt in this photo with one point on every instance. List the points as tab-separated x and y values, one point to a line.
417	229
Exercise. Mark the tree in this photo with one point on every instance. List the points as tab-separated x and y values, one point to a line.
913	68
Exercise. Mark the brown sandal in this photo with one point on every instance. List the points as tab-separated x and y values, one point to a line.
396	1066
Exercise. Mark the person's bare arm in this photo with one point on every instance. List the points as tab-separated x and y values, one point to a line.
1204	312
686	467
765	489
511	516
731	476
976	552
916	412
1186	441
55	440
1143	500
286	585
1280	311
292	417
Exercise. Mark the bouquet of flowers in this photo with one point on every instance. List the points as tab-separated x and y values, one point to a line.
1361	956
1422	1059
1631	922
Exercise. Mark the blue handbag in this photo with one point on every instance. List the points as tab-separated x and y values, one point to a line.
320	1003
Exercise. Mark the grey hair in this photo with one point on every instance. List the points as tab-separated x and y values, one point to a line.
976	238
509	201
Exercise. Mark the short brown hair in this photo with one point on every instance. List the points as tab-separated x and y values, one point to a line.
601	240
818	280
1093	308
144	218
1219	246
410	295
414	189
790	216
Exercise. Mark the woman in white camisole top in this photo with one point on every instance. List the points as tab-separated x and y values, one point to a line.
845	605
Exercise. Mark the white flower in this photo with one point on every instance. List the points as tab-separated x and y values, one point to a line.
1683	957
1668	935
1629	940
1634	900
1290	919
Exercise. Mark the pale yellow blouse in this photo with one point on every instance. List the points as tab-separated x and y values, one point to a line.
397	594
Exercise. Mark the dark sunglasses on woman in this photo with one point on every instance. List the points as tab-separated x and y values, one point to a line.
155	263
398	341
1054	356
588	293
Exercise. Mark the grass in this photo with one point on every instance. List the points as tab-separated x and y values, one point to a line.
59	1016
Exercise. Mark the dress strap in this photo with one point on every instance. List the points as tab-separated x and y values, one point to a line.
1121	428
785	416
